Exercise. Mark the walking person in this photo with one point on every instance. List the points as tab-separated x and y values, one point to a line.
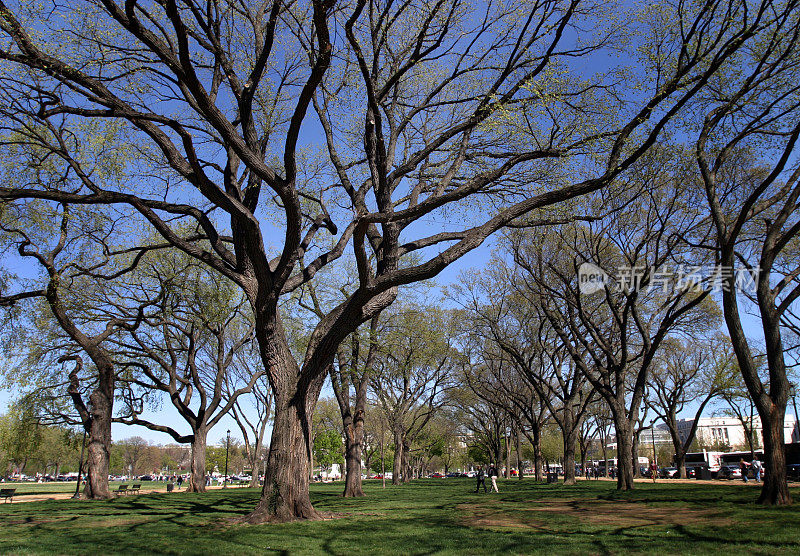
757	469
654	471
743	469
493	476
481	480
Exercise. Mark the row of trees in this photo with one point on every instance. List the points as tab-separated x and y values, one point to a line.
264	141
489	383
30	448
445	388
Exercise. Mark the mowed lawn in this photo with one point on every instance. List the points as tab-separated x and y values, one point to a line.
68	487
436	516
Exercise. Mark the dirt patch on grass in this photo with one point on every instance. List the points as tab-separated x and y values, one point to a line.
599	512
120	521
488	518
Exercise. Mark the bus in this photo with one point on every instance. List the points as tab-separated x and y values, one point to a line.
711	460
644	463
733	458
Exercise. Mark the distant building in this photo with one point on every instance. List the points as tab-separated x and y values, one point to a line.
659	436
728	431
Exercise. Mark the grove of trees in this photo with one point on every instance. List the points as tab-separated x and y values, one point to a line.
212	204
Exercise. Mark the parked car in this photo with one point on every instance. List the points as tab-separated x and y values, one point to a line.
729	472
793	471
436	476
668	472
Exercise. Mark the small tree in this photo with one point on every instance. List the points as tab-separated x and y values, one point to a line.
687	373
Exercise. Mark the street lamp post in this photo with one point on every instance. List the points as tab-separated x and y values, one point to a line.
227	446
80	468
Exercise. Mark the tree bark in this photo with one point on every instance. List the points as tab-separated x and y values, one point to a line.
624	452
536	444
570	439
397	464
256	472
197	479
405	462
354	441
680	464
98	455
775	490
285	496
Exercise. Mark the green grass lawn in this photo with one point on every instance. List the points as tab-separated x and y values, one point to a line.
441	516
55	487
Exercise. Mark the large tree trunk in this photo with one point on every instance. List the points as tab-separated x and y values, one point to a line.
354	441
256	473
680	464
570	439
775	490
99	433
624	452
197	479
405	462
397	464
256	462
538	472
570	430
285	495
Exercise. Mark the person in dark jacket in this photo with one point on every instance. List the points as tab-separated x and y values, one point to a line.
481	479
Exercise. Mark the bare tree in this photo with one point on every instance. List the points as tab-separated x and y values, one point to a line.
612	335
133	451
686	373
413	370
352	371
511	321
186	350
497	382
746	153
72	299
738	403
